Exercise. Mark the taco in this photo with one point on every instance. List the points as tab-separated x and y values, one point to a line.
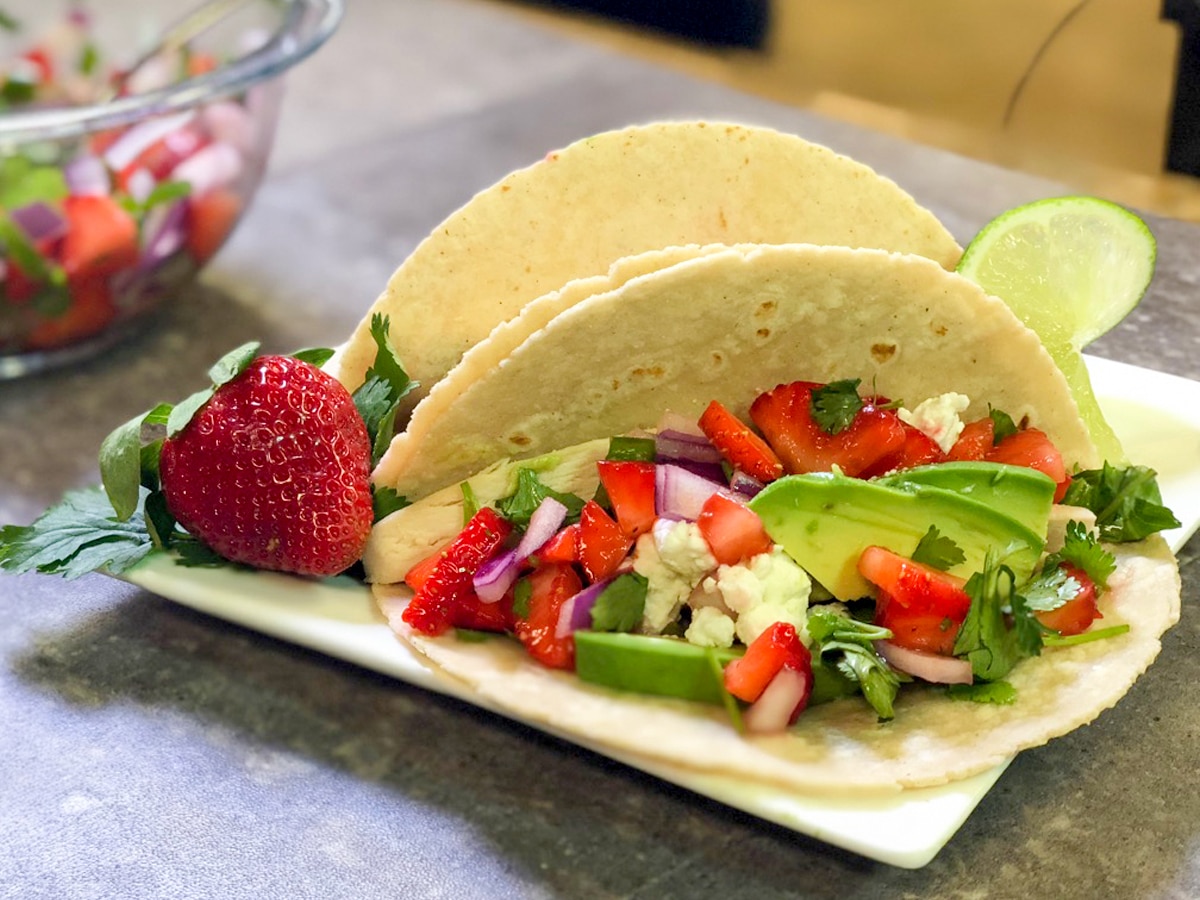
619	194
735	326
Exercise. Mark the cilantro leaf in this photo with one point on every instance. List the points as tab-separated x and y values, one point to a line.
938	551
985	639
835	405
850	643
620	605
77	536
518	506
1002	425
1127	502
1053	588
1081	549
522	597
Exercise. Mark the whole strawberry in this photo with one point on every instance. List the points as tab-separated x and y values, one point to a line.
273	471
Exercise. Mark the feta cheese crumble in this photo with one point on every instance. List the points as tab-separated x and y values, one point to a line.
765	589
938	418
673	558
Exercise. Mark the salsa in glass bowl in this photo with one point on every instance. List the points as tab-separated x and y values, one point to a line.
117	186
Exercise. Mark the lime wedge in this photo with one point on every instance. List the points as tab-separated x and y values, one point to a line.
1071	268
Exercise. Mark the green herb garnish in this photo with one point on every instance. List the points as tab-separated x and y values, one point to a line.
834	405
849	644
519	506
938	551
620	605
985	639
1127	502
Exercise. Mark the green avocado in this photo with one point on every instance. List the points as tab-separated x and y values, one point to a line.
825	520
1017	491
667	667
670	667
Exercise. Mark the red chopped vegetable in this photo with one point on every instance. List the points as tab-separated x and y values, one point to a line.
739	445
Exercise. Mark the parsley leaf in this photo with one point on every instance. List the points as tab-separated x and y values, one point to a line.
985	639
518	506
851	645
620	605
835	405
386	384
75	537
1127	502
385	501
938	551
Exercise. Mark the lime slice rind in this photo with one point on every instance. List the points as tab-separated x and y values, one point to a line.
1070	267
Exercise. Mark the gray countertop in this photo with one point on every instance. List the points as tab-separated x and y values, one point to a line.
150	751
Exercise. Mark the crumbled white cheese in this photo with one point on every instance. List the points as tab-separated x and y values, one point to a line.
673	559
710	628
938	417
766	589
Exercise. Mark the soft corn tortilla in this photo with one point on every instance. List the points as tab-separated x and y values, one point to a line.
619	194
728	325
838	747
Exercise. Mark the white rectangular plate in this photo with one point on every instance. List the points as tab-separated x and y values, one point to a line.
1157	417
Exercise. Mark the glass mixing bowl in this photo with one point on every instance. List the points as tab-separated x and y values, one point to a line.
114	192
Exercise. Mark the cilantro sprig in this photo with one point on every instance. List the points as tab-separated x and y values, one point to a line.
849	644
518	507
985	639
833	406
938	551
1127	502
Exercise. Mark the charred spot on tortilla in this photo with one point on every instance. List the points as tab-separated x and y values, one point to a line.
882	352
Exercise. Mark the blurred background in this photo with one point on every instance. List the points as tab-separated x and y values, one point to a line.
1103	95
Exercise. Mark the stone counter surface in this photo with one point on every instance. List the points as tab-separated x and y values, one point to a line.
149	751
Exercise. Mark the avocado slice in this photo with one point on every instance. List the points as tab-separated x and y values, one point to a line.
670	667
825	520
667	667
1017	491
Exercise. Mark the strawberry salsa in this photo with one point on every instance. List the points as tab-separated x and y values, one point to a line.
683	554
91	228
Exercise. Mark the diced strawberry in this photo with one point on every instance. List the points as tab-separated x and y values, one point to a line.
602	542
732	530
784	416
1034	449
739	446
562	548
551	585
91	310
432	609
918	449
630	489
101	239
416	577
471	612
916	629
776	648
1077	614
211	219
161	157
913	585
975	441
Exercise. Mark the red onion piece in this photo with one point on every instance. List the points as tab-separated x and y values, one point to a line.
927	666
230	122
493	579
680	493
745	486
496	576
576	612
130	145
167	229
676	446
210	167
40	221
87	176
772	712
